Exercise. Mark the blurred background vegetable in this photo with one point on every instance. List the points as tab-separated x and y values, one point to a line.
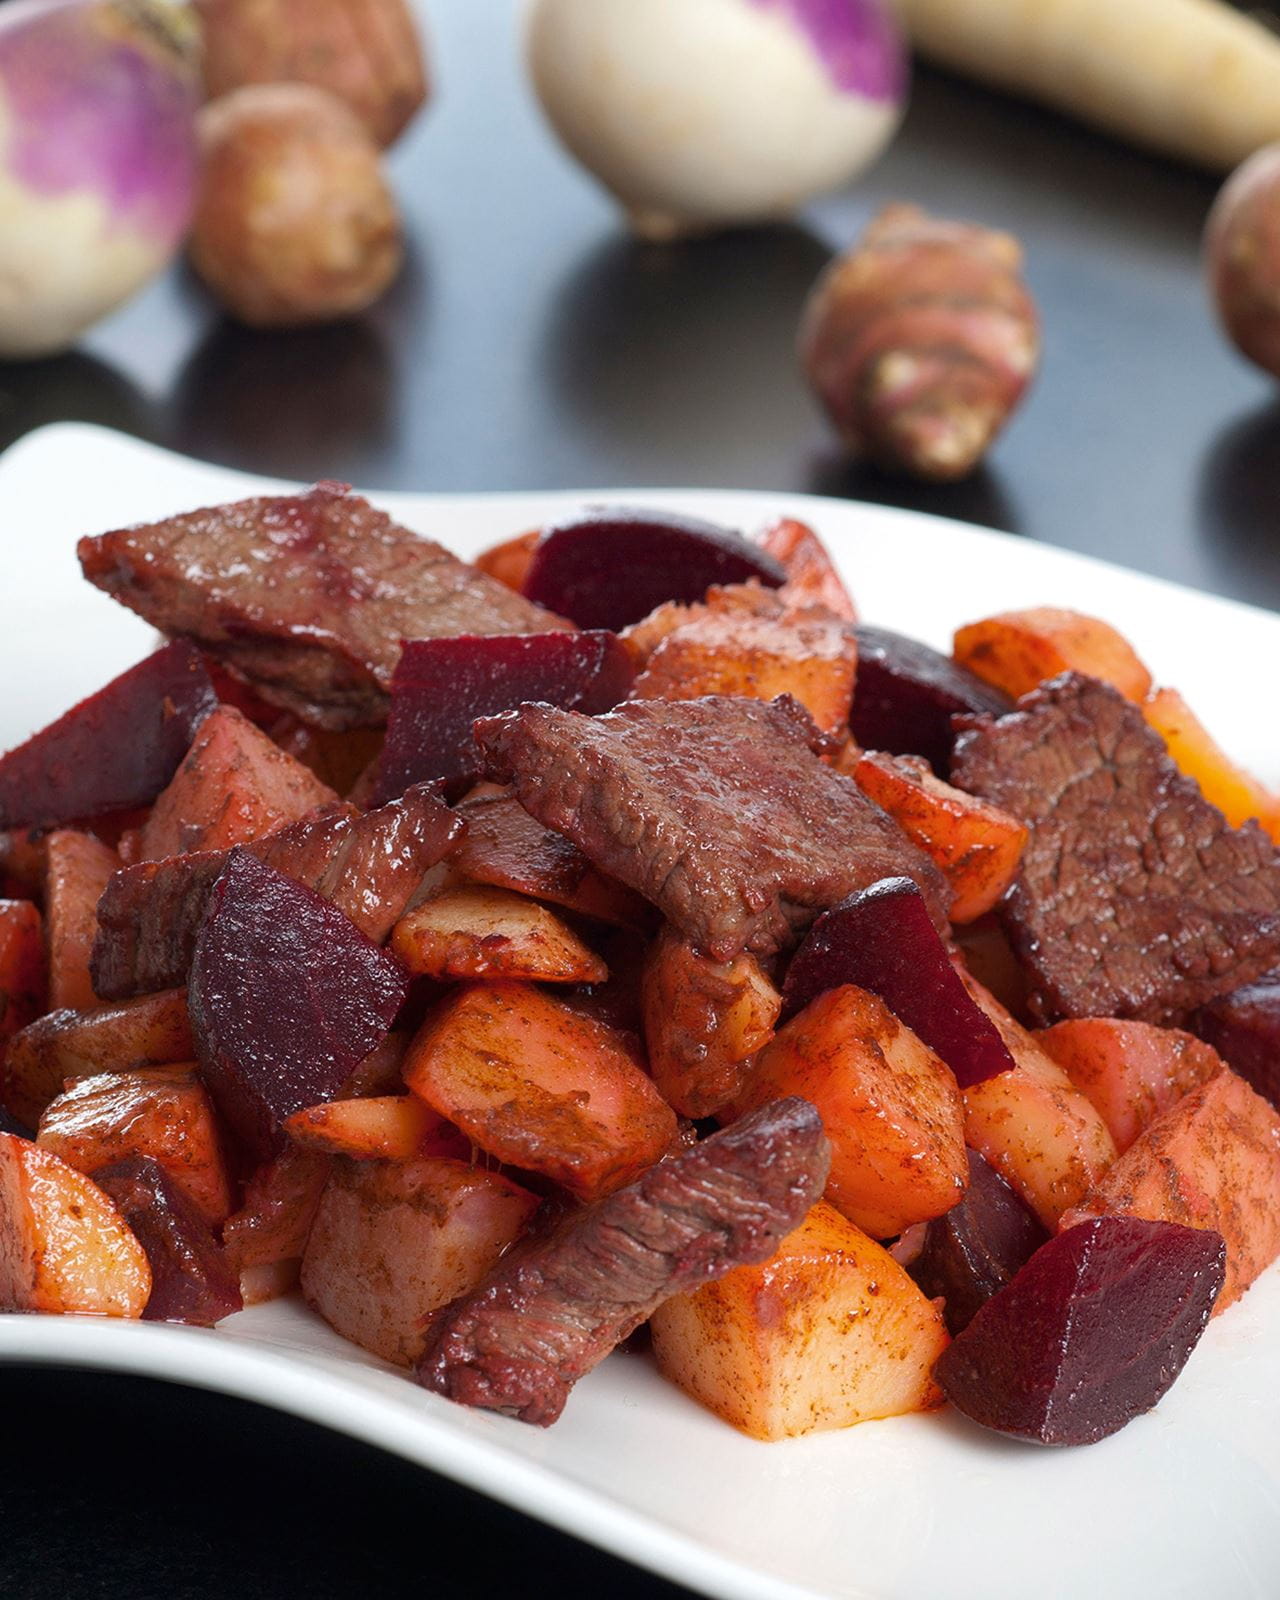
1242	258
699	114
99	165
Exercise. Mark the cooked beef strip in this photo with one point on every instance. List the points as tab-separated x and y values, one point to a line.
369	866
717	810
553	1308
308	596
1134	898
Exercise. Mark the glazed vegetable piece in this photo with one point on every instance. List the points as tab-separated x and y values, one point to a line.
79	869
191	1281
1244	1028
394	1241
882	939
610	566
977	846
972	1251
828	1332
541	1088
907	694
286	997
812	578
441	686
113	751
390	1127
889	1105
508	561
1132	1072
265	1238
1235	792
1213	1162
23	974
477	932
1018	650
920	341
1091	1333
63	1246
152	1031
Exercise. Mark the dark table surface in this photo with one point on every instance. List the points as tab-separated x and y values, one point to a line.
532	344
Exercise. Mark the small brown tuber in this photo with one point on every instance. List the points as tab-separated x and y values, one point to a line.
295	222
367	52
921	340
1242	257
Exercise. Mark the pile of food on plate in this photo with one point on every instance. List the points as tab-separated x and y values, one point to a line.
619	931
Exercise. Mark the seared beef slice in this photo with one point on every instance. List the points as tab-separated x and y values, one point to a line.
717	810
554	1308
308	596
1135	899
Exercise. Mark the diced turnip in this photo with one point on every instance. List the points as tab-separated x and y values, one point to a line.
79	869
480	932
390	1127
24	976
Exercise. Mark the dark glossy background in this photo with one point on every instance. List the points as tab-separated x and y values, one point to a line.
531	344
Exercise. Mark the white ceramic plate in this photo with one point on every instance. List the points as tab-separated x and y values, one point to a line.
1184	1502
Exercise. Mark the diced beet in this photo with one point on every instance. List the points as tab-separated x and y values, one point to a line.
883	939
117	749
286	996
907	694
976	1248
191	1280
441	686
1244	1028
1091	1333
610	566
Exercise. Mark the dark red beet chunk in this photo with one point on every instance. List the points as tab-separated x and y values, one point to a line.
286	997
441	686
1091	1333
115	750
191	1280
977	1247
608	567
1244	1028
907	695
882	939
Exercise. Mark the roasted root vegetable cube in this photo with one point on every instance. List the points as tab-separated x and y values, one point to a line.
79	868
890	1107
812	579
828	1332
394	1241
508	562
1132	1072
63	1246
158	1112
233	785
1235	792
265	1238
480	932
976	845
23	974
1213	1161
703	1022
154	1030
1017	650
541	1088
389	1127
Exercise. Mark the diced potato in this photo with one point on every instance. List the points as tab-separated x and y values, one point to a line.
540	1087
812	579
266	1237
1235	792
977	846
828	1332
1017	650
482	932
1043	1137
1213	1161
23	972
233	785
390	1127
891	1108
63	1246
161	1112
1132	1072
508	562
79	868
153	1030
703	1021
394	1241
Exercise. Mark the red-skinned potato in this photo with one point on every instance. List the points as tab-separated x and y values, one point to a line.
828	1332
480	932
1017	650
79	867
390	1127
1242	258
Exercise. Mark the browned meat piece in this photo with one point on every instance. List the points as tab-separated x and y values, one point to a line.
368	865
1134	899
553	1309
717	810
307	596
